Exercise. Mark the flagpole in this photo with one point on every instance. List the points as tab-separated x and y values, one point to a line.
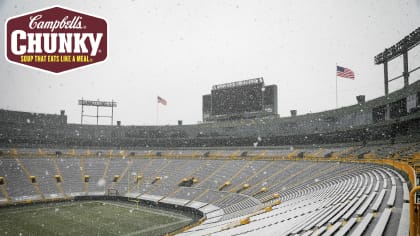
157	112
336	87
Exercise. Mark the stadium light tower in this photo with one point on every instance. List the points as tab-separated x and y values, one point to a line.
401	48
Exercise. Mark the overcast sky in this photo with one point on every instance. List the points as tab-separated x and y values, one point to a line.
179	49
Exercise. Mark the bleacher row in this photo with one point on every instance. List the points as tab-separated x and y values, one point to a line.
317	197
342	204
372	150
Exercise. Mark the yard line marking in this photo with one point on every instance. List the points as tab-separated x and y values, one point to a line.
39	208
154	228
170	214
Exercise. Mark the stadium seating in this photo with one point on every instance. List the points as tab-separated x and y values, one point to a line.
317	197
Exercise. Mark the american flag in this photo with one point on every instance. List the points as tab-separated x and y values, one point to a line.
162	101
345	72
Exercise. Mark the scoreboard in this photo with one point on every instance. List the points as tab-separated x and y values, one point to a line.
245	98
239	100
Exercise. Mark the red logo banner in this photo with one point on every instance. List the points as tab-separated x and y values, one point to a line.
56	39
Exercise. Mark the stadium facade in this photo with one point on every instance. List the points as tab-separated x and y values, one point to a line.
388	118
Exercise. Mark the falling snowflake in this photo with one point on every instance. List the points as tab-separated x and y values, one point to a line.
101	182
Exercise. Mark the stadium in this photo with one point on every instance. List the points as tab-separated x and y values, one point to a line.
245	168
245	171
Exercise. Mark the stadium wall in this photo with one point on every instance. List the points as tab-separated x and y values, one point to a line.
386	118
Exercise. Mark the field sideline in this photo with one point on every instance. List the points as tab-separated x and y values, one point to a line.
88	218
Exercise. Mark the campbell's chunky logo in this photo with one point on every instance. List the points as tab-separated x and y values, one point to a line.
56	39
